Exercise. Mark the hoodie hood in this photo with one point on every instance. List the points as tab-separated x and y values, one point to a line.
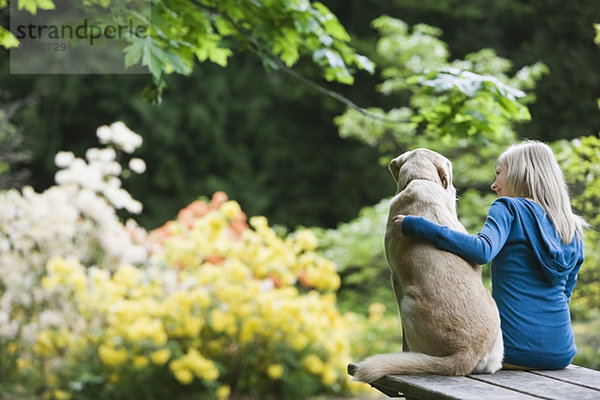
556	258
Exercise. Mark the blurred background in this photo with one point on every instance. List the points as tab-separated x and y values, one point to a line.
305	160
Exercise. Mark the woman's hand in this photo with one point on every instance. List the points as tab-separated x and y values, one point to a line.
397	226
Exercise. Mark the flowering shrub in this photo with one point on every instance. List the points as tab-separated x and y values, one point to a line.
75	219
208	304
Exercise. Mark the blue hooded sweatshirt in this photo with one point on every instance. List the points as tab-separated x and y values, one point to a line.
533	275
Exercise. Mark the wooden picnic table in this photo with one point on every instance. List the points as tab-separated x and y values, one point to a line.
573	382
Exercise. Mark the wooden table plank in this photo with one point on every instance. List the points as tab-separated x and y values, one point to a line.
435	387
574	374
572	382
539	385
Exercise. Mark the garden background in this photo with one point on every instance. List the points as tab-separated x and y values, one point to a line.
214	229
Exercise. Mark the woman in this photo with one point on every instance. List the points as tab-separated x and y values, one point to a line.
534	241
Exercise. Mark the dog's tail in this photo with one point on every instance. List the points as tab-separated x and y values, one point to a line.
403	363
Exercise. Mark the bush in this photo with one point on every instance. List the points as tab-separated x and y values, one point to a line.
207	305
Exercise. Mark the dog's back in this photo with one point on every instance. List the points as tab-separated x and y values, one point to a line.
443	297
450	321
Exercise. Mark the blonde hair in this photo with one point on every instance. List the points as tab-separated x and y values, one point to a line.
533	172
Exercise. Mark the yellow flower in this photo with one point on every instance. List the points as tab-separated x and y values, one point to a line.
159	357
111	356
202	367
147	328
306	240
23	363
231	209
376	311
222	321
299	341
275	371
223	392
250	328
259	222
49	282
45	344
61	394
127	275
329	376
52	380
313	364
192	326
140	361
13	347
182	373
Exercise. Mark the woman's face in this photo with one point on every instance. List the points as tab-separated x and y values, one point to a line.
500	185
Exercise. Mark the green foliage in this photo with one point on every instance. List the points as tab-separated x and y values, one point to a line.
555	32
255	144
185	32
464	109
7	39
13	156
449	104
357	248
588	342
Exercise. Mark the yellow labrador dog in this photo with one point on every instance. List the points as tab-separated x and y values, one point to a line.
450	322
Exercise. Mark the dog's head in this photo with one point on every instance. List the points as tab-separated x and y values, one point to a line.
422	164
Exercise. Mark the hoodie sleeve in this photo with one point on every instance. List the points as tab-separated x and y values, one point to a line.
480	248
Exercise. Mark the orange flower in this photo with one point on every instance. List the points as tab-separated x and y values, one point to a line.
215	259
238	226
194	210
277	282
162	234
198	208
303	279
218	199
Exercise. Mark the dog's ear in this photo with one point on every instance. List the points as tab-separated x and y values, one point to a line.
394	167
445	172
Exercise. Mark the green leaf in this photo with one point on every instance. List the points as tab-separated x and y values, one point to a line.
287	47
224	27
364	63
153	57
33	5
177	63
7	39
220	55
331	23
133	53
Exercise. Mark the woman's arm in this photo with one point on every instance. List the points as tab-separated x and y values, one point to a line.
480	248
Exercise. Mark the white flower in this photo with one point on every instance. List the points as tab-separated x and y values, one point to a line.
120	135
49	318
63	159
101	155
126	139
266	285
137	165
104	133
